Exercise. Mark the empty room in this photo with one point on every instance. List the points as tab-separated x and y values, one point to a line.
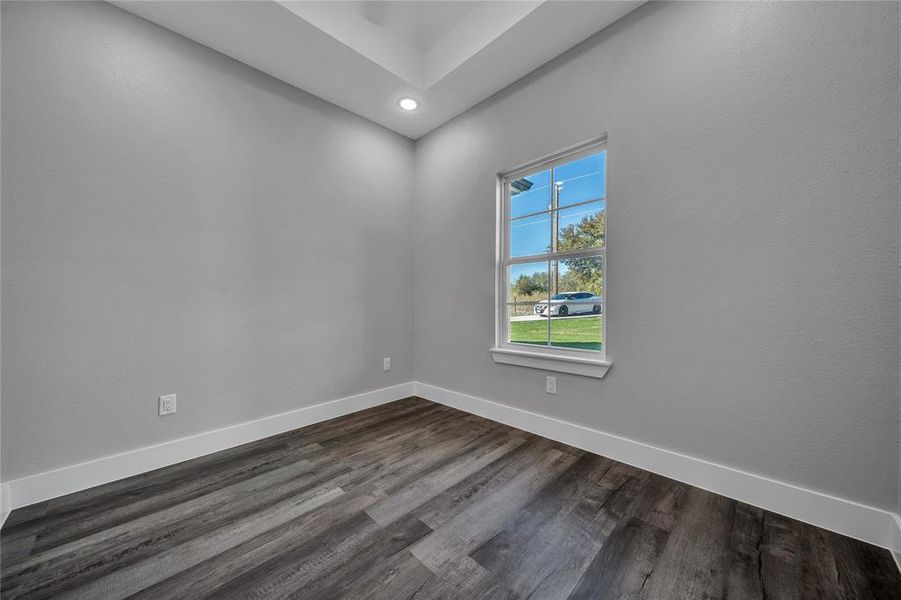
522	299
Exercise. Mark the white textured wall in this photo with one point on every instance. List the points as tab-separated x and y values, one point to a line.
753	248
176	222
3	507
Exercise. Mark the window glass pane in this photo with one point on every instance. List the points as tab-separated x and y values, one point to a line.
530	194
530	235
527	291
582	226
582	180
577	322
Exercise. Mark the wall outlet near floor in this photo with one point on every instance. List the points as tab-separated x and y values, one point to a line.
167	404
551	385
386	363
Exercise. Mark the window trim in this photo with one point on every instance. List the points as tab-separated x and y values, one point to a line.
590	363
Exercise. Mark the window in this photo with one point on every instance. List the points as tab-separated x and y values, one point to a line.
552	264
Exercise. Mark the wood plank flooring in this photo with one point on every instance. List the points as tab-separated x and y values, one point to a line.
416	500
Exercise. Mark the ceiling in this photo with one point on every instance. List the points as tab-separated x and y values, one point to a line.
364	55
417	23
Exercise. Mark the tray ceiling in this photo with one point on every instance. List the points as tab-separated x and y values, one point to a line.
365	55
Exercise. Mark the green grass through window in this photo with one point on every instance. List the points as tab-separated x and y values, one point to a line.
583	333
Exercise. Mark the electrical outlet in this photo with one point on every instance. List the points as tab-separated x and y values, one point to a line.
551	385
386	363
167	404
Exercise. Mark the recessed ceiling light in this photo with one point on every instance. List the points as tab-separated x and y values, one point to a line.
408	103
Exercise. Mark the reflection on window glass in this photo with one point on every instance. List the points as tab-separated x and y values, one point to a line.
577	303
582	226
581	180
530	194
527	289
530	235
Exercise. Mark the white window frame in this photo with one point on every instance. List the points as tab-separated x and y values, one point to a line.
590	363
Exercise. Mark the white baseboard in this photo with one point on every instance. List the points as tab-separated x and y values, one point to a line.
4	503
59	482
867	523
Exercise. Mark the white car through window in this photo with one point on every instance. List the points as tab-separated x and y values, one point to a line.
570	303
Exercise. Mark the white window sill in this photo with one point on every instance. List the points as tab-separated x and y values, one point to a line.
542	360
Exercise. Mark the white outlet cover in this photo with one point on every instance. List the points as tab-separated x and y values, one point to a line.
386	363
551	385
167	404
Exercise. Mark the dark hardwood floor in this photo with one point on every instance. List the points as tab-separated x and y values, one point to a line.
416	500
